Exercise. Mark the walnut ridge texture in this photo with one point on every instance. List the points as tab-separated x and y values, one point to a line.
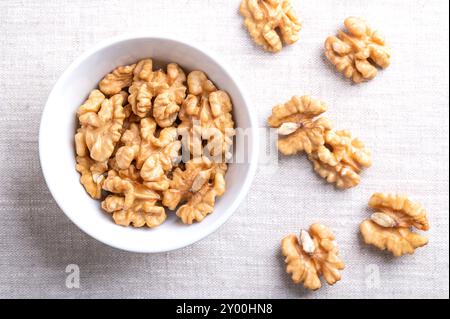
315	255
390	227
358	53
271	23
336	156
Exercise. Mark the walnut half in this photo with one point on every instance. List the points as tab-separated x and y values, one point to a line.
357	54
196	188
336	156
314	255
271	22
129	144
390	226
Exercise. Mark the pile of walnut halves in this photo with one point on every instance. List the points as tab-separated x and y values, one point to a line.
133	132
336	155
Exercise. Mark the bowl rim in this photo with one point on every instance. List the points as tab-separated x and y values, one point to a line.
253	159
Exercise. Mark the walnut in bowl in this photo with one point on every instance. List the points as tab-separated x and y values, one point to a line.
123	120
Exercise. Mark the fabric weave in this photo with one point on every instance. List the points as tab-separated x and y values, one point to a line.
402	116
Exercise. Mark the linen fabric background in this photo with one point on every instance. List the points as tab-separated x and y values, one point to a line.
402	116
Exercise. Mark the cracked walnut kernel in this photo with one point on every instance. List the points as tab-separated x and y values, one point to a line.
390	226
168	89
198	186
206	116
92	175
315	255
141	213
140	97
150	143
117	80
300	113
271	22
341	159
134	203
335	155
357	54
199	84
167	103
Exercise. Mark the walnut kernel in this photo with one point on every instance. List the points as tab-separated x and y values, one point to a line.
314	256
128	155
335	155
271	22
357	54
117	80
390	226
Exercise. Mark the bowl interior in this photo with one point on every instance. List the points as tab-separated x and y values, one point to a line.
58	156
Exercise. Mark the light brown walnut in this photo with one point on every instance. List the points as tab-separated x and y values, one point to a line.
150	143
199	84
141	213
140	98
133	203
92	175
128	187
167	102
306	132
167	90
165	110
335	155
154	156
101	124
182	180
159	82
221	139
206	116
128	152
190	127
117	80
156	167
357	54
341	159
141	93
197	187
128	146
315	255
389	228
271	22
176	79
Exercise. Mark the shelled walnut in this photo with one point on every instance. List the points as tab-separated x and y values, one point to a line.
128	155
133	203
357	54
298	128
336	156
91	175
390	226
101	123
315	255
206	117
271	22
196	186
341	159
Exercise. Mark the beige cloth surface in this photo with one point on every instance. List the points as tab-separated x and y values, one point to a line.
402	116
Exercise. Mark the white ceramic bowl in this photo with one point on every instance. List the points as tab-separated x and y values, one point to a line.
56	143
